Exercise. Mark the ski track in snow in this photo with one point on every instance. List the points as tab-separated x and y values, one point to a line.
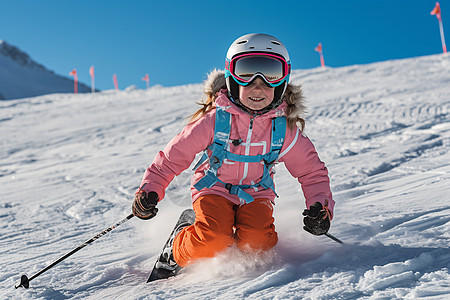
69	166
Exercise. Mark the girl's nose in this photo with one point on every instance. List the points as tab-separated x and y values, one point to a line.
258	82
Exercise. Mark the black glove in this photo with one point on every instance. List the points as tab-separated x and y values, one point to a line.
144	205
317	219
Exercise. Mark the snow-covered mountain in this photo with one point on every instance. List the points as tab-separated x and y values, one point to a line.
383	129
22	77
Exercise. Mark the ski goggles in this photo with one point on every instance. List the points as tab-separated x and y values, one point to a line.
244	68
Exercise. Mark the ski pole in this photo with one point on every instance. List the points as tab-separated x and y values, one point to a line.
25	281
334	238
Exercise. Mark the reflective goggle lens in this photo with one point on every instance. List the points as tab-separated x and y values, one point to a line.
245	67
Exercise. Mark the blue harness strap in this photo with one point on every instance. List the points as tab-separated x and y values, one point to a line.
219	152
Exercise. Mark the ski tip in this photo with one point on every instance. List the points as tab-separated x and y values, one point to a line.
186	218
153	276
188	214
158	274
24	282
188	211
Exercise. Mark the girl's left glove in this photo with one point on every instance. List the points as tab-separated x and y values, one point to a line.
317	219
144	205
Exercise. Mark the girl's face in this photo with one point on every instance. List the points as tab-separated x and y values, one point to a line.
256	95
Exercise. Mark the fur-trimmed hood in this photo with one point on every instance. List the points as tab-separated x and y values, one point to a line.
293	96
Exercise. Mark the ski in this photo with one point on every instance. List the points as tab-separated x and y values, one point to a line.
161	268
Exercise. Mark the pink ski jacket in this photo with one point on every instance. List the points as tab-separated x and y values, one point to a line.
298	155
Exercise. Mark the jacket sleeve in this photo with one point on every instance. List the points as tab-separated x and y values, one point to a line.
178	155
303	162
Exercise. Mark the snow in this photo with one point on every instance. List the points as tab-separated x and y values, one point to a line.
69	166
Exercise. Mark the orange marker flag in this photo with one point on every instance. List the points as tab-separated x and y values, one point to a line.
75	80
437	11
146	79
319	49
91	72
116	85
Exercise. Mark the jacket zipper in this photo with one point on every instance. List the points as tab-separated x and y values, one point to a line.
247	149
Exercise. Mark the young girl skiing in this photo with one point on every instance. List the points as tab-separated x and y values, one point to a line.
249	121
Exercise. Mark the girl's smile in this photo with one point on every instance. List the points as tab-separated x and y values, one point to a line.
257	95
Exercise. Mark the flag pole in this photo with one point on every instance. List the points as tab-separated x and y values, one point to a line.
116	85
437	11
441	28
146	79
75	80
319	49
322	61
91	72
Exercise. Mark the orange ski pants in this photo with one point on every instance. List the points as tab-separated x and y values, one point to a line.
219	223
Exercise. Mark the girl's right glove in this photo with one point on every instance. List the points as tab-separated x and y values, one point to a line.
317	219
144	205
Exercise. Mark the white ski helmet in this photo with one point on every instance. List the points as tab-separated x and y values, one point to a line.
257	43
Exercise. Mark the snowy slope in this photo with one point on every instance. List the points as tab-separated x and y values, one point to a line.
69	165
22	77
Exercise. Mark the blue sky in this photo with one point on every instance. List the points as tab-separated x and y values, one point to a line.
179	42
